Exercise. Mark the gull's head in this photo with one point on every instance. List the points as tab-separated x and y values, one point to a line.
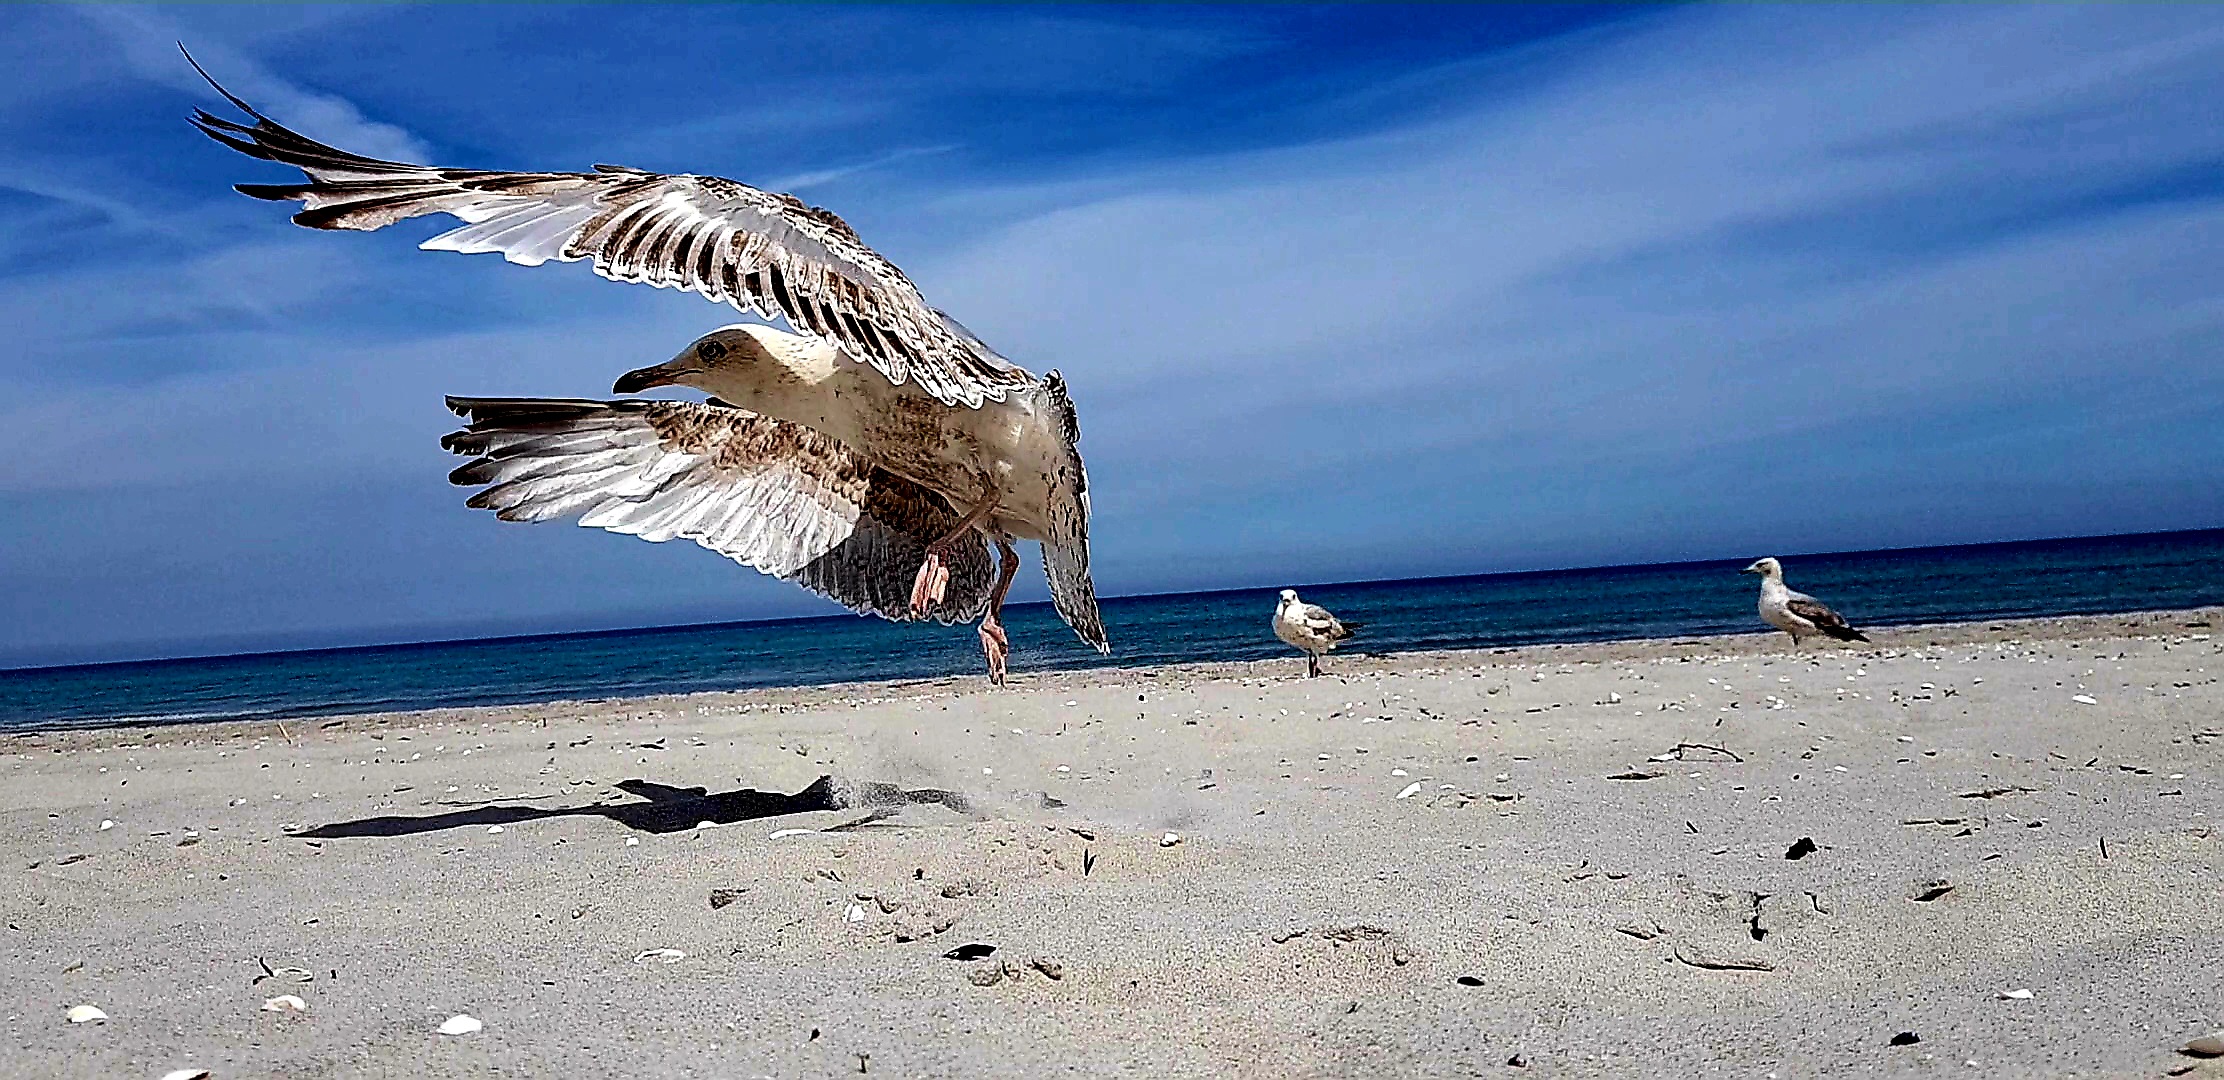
1289	596
1768	568
709	361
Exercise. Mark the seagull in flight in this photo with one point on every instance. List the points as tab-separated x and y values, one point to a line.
877	443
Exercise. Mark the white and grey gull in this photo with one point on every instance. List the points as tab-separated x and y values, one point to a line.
1796	613
1310	629
874	456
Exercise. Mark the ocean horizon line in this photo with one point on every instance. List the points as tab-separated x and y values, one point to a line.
1108	601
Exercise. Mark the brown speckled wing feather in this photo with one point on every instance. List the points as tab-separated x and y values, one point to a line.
1066	548
1825	620
766	493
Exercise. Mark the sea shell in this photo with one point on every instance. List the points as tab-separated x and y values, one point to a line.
2016	995
285	1003
2084	699
1170	839
86	1014
186	1074
2209	1045
669	956
460	1024
1410	791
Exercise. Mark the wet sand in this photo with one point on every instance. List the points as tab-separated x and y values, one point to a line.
1577	859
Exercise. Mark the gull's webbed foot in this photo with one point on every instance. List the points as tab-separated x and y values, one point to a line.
932	583
996	646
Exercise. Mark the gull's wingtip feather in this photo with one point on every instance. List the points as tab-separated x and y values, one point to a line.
219	87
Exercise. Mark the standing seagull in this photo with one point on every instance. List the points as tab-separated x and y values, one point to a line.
1309	629
882	441
1797	613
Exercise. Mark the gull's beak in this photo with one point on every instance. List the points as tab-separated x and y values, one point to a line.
1751	570
664	374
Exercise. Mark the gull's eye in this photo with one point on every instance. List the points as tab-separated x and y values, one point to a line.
710	351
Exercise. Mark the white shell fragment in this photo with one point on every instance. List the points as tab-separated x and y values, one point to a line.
669	956
855	914
2209	1045
1170	839
86	1014
460	1024
2084	699
106	824
492	829
285	1003
186	1074
2016	995
782	834
1410	791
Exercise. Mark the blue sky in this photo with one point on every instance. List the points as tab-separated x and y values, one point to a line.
1343	292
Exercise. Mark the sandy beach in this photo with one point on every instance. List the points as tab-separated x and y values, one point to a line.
1694	857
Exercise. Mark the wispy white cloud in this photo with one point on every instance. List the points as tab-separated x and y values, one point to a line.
804	181
149	45
1693	237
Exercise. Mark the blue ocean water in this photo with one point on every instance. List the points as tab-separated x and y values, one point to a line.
1878	588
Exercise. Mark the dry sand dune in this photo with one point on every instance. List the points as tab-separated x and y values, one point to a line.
1493	864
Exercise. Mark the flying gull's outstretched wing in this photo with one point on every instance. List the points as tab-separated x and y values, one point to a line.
760	251
766	493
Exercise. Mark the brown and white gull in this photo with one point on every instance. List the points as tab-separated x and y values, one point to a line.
874	456
1796	613
1309	628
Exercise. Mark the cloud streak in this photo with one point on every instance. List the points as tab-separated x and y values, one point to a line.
148	43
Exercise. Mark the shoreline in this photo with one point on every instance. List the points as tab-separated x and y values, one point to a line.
1356	662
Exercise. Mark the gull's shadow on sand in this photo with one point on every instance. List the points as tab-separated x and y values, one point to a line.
667	809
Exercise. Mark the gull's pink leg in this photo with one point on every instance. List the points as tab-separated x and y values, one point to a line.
994	644
929	587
